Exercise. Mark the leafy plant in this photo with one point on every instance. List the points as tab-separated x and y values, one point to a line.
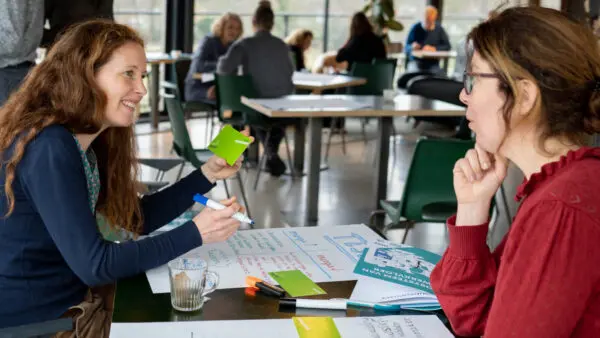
381	14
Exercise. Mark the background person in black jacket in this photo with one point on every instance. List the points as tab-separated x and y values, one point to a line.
363	45
64	13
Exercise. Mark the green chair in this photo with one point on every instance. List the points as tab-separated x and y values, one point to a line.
189	107
379	76
183	145
428	194
230	89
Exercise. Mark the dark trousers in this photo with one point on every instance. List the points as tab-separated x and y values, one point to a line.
11	78
277	128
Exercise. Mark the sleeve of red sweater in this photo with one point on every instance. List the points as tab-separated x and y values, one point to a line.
542	286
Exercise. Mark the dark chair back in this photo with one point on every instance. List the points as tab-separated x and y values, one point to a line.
230	89
429	179
181	137
437	88
380	76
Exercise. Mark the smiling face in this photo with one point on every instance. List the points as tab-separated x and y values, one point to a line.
121	79
484	106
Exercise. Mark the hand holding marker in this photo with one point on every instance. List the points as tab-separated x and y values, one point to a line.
218	206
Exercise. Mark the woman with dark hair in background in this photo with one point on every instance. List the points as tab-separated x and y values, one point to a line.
532	99
224	32
363	45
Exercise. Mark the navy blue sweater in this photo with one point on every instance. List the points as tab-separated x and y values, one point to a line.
204	61
50	248
437	38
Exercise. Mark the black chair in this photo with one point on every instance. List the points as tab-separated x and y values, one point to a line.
407	76
45	329
443	89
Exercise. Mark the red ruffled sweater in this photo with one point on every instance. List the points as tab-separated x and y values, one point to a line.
543	279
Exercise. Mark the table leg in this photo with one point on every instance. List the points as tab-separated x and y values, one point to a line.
299	140
154	81
314	170
381	165
445	66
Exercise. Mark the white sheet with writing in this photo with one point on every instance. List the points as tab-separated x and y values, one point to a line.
324	254
426	326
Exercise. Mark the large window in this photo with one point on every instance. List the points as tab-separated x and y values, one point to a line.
147	17
289	15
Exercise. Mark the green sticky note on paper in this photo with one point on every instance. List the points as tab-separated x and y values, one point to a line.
296	283
229	144
316	327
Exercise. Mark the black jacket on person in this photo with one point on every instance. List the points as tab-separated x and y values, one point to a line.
64	13
363	49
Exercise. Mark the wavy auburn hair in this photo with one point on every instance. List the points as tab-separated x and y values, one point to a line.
63	90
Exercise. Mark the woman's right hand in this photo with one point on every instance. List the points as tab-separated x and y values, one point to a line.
477	177
217	225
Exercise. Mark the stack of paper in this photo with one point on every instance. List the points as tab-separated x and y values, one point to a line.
396	274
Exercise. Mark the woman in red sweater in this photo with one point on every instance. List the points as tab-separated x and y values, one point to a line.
532	89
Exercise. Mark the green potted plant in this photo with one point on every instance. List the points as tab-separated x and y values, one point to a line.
381	14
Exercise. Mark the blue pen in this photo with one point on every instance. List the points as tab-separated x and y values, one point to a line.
218	206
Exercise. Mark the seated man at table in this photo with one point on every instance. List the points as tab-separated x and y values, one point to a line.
267	60
427	36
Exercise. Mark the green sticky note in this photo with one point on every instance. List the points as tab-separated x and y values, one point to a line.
296	283
229	144
316	327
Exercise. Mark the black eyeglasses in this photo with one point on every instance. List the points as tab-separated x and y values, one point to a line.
469	79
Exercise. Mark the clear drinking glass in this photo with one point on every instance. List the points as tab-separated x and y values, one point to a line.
190	281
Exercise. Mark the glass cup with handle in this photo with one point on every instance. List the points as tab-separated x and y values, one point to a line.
190	282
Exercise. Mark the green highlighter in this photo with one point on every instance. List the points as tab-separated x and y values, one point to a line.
229	144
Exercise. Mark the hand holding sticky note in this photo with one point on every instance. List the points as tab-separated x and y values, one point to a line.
229	144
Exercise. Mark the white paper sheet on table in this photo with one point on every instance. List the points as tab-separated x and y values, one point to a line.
325	253
363	327
310	104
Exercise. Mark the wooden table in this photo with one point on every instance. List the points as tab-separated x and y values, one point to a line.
316	83
439	55
135	303
315	108
155	60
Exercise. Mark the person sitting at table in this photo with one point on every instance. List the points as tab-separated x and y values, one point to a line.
362	45
267	60
299	41
534	100
427	36
68	153
224	31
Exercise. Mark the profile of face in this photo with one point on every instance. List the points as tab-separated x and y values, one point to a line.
484	106
121	79
307	42
231	31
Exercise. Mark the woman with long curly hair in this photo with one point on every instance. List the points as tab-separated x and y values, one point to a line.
68	152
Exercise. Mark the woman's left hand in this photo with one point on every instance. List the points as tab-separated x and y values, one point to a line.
217	168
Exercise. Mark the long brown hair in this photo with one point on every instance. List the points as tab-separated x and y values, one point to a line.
559	55
62	90
360	25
